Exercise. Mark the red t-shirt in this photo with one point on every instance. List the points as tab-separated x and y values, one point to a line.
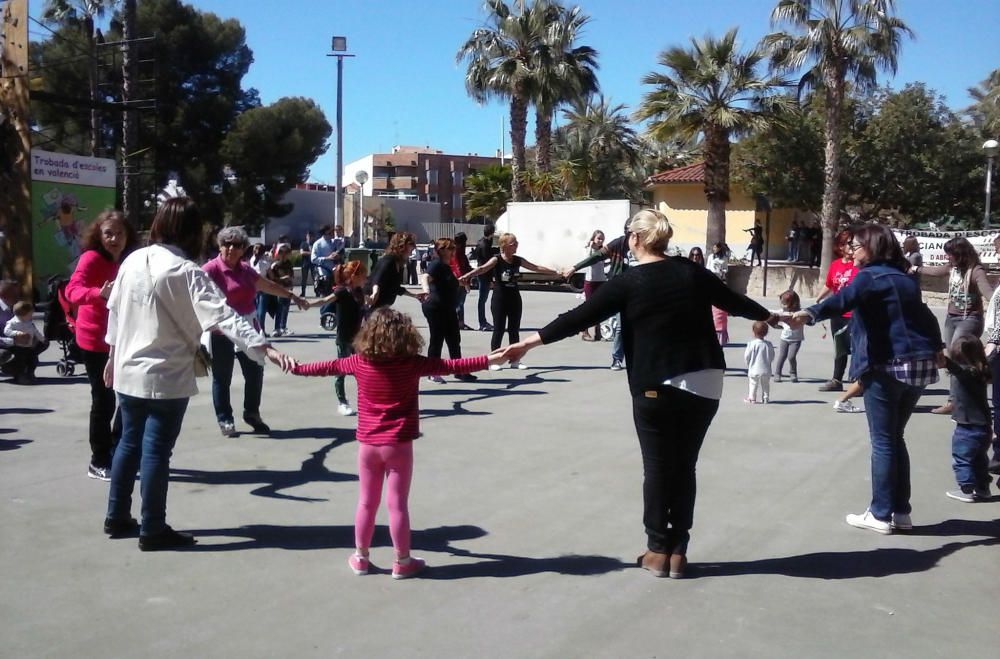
388	410
239	284
840	275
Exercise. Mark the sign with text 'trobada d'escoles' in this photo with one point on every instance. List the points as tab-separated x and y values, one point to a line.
67	193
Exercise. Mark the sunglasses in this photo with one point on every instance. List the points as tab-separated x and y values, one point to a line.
232	245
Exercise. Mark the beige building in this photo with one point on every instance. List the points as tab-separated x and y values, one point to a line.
680	194
420	173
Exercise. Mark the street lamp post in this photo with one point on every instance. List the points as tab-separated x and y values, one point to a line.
361	176
339	45
991	147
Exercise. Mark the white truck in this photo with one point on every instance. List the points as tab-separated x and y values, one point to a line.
554	234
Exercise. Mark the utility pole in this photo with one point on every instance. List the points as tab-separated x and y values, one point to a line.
15	145
130	116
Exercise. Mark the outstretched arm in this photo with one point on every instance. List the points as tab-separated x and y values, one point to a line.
539	269
475	272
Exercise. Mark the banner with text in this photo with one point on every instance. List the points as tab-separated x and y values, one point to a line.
932	244
67	193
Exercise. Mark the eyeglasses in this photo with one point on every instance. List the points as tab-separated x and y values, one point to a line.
855	246
232	245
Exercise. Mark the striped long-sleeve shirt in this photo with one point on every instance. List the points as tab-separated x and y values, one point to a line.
388	410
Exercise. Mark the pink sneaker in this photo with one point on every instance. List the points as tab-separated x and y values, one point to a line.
406	570
359	564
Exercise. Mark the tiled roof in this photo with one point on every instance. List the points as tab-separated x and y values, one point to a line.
691	174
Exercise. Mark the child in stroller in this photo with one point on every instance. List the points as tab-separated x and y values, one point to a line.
59	325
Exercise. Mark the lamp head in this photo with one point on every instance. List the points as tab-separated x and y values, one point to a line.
338	44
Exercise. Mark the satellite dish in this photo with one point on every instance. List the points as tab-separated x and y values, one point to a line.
361	176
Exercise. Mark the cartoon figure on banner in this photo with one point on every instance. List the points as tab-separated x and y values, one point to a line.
62	209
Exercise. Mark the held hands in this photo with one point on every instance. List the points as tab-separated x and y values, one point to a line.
797	319
301	302
280	359
513	352
497	356
566	273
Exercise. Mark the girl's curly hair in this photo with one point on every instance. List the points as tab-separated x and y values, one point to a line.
388	334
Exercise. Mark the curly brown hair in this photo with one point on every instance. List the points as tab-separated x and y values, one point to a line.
388	334
92	238
397	245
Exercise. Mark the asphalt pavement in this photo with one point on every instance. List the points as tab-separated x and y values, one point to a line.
526	504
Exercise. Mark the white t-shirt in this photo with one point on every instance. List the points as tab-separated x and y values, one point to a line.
160	304
15	325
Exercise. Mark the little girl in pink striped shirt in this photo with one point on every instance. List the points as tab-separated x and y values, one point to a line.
388	367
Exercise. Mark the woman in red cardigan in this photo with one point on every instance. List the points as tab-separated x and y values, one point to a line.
106	243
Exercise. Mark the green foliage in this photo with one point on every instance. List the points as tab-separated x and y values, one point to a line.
488	191
269	149
985	112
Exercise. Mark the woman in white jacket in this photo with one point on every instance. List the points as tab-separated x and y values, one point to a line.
159	306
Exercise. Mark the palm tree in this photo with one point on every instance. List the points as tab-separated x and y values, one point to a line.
840	39
84	14
712	89
563	72
599	154
488	191
501	58
985	112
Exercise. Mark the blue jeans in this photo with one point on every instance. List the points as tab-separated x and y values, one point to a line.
149	431
281	317
223	355
889	404
617	347
969	445
460	304
260	301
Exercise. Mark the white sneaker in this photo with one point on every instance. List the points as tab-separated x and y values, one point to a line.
846	406
287	332
868	521
901	522
436	379
345	410
277	333
495	367
518	365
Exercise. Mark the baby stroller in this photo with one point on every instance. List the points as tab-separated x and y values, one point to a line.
60	325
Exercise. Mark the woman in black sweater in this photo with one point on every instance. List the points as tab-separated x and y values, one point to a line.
675	370
387	275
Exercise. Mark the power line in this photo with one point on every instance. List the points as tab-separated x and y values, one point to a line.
68	42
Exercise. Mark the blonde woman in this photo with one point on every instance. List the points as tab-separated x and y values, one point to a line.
675	372
506	268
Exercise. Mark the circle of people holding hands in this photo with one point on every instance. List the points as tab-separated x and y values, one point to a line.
142	313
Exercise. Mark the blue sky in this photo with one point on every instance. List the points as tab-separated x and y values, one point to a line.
404	87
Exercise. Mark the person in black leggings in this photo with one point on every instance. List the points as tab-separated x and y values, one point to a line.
441	287
506	269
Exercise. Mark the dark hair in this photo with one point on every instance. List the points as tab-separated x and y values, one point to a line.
967	350
461	239
178	223
841	240
92	239
22	307
790	299
911	244
965	255
696	255
488	230
881	246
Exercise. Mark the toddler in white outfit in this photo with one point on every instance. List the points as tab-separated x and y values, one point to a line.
759	355
21	323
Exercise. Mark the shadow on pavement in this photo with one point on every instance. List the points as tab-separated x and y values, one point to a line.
274	482
12	444
841	565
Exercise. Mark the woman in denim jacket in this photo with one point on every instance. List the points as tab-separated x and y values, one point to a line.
896	347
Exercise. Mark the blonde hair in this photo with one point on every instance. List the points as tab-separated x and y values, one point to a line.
506	239
388	334
652	229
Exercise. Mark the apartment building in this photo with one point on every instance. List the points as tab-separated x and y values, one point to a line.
421	173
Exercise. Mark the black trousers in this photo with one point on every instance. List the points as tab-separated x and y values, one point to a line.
840	327
506	315
103	432
24	360
443	326
671	425
484	294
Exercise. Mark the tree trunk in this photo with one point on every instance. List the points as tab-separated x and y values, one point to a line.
832	195
543	138
130	119
518	132
717	150
95	114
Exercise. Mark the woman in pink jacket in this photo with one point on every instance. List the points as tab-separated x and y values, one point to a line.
108	240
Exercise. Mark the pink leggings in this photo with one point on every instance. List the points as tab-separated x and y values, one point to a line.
393	464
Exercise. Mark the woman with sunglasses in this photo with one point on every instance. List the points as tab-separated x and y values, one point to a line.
896	350
240	283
